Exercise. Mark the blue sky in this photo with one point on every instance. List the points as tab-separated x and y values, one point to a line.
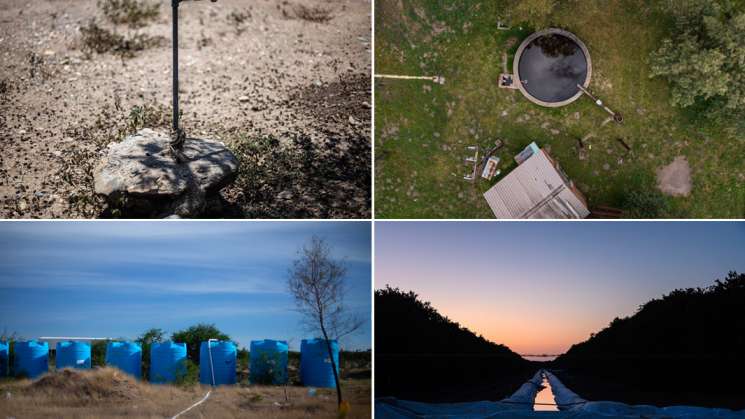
539	287
117	279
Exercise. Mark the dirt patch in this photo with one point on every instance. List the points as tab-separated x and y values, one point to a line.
675	178
104	383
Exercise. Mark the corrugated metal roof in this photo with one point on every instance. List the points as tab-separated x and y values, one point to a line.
535	189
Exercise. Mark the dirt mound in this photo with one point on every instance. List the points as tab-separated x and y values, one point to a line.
97	384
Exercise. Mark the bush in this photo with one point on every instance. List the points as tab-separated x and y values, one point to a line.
195	335
98	353
146	341
646	203
131	12
99	40
188	375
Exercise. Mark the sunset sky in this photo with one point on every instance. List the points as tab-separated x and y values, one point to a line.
540	287
117	279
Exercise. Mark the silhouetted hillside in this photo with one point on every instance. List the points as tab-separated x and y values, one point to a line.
688	345
422	355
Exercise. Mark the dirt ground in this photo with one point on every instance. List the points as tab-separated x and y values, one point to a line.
285	84
106	392
675	178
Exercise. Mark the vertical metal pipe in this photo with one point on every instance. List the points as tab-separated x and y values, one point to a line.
174	6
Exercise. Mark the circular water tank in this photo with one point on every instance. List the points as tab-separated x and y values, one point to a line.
550	65
31	358
4	357
223	362
167	362
73	355
127	356
268	362
315	364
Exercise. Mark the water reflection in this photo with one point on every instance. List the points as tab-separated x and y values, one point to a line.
551	67
544	400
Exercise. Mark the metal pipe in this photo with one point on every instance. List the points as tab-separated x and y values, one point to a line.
212	366
174	7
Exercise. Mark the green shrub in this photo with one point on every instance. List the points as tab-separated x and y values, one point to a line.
195	335
188	375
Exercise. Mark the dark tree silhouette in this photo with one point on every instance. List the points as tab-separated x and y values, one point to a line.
419	352
690	341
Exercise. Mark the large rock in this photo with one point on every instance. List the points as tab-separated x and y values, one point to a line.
141	178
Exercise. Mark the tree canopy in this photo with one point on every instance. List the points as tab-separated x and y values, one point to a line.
423	355
690	321
704	58
195	335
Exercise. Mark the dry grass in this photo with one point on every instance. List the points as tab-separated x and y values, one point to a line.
107	392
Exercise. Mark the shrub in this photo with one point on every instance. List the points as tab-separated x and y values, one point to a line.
134	13
195	335
646	203
99	40
188	375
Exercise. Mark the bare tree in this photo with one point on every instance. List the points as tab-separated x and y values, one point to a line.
317	282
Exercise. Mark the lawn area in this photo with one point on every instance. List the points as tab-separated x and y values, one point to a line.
422	129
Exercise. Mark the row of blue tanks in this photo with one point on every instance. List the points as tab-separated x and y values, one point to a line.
217	360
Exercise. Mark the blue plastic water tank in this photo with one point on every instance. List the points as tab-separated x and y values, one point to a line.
31	358
268	362
223	362
315	364
73	355
4	357
127	356
167	361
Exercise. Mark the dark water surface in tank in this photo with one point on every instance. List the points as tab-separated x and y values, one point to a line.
551	67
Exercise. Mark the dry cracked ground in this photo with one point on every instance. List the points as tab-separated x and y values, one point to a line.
285	84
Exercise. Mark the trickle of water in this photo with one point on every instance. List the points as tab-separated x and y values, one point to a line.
544	400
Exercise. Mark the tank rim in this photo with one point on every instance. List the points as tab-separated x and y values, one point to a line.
521	49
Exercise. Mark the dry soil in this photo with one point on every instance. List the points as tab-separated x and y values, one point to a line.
284	83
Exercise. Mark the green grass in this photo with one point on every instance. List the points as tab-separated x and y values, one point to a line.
421	133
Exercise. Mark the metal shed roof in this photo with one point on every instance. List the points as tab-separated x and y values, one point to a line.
535	189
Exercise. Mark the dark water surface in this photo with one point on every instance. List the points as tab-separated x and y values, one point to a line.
551	67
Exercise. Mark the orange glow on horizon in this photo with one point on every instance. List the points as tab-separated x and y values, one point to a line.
525	331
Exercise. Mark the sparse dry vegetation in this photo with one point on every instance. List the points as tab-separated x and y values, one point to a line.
134	13
101	40
291	104
316	14
107	392
237	19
